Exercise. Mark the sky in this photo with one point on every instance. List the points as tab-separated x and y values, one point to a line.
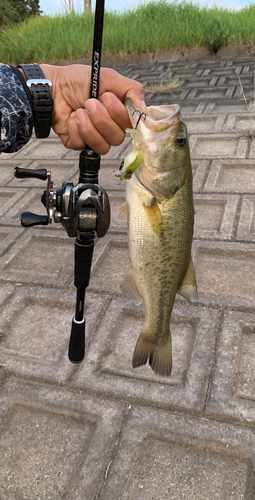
53	6
57	6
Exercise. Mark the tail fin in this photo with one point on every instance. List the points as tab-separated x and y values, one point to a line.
159	355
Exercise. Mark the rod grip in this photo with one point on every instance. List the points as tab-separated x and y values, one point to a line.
76	350
83	261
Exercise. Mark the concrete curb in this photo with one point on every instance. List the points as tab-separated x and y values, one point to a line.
168	55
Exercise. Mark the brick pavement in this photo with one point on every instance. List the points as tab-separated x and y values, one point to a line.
101	430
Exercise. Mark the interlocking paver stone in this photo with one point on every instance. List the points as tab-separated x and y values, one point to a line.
5	293
35	341
7	238
233	395
237	106
246	227
231	176
215	216
241	124
7	167
48	148
221	146
54	444
108	366
102	430
8	199
163	456
200	171
204	124
42	257
224	272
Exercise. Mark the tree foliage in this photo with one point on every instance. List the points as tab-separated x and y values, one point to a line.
16	11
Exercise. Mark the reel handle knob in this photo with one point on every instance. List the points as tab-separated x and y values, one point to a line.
29	219
24	173
77	341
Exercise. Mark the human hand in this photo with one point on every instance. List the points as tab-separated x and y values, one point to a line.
81	121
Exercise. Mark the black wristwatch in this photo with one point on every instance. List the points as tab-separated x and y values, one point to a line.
40	89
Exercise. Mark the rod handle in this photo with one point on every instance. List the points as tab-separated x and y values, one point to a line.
24	173
76	351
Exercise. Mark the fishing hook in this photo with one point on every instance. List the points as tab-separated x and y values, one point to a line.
139	117
121	165
137	123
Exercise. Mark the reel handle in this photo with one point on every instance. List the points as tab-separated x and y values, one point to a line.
24	173
28	219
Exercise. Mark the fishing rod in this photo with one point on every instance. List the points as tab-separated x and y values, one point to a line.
89	166
83	210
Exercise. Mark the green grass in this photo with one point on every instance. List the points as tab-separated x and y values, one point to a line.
151	27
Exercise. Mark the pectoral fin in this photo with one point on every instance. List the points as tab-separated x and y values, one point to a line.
123	212
155	219
128	286
188	287
148	199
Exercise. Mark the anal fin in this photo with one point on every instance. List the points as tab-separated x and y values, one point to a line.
128	286
188	287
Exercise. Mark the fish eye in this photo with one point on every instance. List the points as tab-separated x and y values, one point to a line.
128	176
180	140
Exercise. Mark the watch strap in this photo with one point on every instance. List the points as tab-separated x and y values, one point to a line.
40	89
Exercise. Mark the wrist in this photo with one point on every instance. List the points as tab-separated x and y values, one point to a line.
51	74
23	74
48	70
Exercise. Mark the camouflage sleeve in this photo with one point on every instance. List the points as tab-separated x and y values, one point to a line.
16	118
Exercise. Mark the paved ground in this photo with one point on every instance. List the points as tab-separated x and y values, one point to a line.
101	430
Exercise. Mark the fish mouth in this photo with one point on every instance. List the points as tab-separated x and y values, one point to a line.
168	114
158	118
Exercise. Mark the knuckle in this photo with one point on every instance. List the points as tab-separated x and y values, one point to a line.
139	87
104	149
116	140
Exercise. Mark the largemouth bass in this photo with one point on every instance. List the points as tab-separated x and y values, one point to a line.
160	214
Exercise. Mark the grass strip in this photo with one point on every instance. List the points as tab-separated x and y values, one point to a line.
156	26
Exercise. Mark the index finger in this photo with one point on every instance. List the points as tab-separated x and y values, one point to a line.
122	87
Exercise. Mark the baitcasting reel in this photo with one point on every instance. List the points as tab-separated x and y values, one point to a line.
84	207
84	212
